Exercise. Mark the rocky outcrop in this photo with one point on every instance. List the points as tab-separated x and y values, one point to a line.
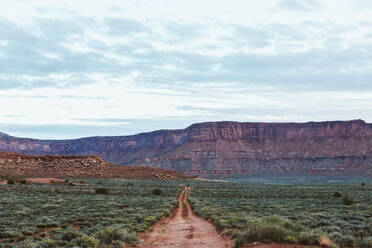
228	148
22	166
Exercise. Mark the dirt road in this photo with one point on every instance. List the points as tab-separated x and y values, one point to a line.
185	229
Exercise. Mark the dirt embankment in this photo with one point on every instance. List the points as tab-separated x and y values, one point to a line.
185	229
24	166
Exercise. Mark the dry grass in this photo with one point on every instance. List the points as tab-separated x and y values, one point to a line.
325	242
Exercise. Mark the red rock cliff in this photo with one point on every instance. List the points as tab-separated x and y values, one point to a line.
228	148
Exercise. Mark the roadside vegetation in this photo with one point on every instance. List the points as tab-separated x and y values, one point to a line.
108	214
331	215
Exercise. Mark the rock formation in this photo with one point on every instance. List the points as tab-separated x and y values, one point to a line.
224	149
23	166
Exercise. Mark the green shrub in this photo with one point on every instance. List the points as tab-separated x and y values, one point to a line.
347	241
102	191
308	238
290	240
28	243
270	229
86	242
23	181
157	192
111	234
10	181
273	233
48	243
70	234
28	232
347	200
337	194
366	243
8	234
41	225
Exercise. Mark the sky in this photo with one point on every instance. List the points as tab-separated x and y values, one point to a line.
72	69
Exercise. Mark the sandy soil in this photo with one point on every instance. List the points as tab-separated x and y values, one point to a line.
44	180
185	229
3	182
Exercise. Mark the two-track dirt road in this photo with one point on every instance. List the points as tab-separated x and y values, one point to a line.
185	229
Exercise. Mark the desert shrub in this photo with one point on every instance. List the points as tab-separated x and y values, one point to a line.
23	181
117	244
271	229
337	194
347	200
347	241
28	243
10	181
366	243
8	234
111	234
325	242
70	234
41	225
157	191
290	240
273	233
48	243
28	232
139	218
86	242
308	238
102	191
71	184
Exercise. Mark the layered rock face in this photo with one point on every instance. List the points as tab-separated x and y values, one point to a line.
227	149
22	166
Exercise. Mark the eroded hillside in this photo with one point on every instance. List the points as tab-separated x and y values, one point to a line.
18	165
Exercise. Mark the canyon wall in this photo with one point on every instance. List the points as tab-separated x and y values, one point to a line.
228	149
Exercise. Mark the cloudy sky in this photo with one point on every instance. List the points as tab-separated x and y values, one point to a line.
90	67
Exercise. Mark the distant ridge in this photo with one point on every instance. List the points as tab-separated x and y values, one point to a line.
23	166
228	148
3	134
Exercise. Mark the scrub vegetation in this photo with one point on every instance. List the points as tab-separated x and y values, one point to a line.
331	215
111	213
108	214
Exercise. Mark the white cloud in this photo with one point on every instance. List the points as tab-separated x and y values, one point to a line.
89	62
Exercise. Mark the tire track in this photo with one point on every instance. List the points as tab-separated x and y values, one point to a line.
184	229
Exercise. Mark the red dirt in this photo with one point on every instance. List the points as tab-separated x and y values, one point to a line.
49	180
184	229
47	230
76	227
3	182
